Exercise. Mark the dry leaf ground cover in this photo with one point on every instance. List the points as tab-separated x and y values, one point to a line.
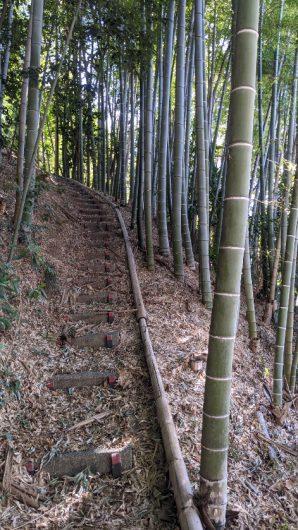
37	422
262	494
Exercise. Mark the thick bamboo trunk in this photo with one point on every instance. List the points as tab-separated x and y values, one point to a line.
164	247
294	369
122	143
289	157
214	447
132	137
140	207
33	113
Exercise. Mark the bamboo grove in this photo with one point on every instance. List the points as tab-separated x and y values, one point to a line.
186	112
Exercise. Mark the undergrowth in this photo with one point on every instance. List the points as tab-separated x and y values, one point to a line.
9	289
50	281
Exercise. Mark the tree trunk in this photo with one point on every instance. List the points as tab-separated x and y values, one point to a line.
272	151
164	247
3	74
290	320
250	313
205	283
33	113
22	119
214	448
285	293
148	169
179	143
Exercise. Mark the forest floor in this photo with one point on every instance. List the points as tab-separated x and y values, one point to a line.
34	421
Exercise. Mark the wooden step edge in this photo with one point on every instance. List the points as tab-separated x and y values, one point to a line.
92	317
102	461
109	339
81	379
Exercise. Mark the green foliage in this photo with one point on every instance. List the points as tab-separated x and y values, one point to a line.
33	250
38	292
50	278
9	288
41	184
9	384
24	422
42	353
82	480
48	214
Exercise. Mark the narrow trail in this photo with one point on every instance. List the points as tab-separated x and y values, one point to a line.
98	222
105	465
107	364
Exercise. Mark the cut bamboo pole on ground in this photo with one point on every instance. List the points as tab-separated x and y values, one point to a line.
271	452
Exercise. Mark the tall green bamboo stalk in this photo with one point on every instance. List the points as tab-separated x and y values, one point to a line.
205	283
294	368
132	136
179	143
214	447
148	169
272	145
4	72
290	321
249	293
289	157
22	117
164	247
33	111
140	198
39	134
285	293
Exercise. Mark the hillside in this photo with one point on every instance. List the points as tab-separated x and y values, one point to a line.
261	492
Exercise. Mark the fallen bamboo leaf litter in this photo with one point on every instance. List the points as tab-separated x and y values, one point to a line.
127	416
247	459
